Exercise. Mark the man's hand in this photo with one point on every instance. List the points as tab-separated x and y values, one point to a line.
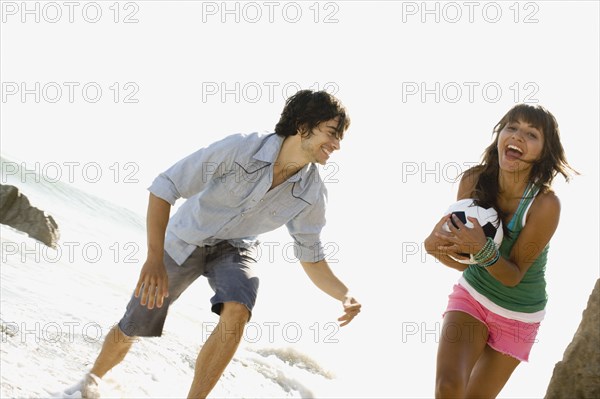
322	276
351	309
153	284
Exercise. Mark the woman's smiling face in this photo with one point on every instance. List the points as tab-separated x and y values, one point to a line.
519	146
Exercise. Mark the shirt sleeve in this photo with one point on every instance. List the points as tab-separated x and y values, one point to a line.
190	175
306	228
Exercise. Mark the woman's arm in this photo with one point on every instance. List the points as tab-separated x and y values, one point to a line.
436	244
542	221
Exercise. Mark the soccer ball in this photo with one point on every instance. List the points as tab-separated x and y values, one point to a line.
487	217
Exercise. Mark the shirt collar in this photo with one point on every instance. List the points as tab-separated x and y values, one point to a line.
270	149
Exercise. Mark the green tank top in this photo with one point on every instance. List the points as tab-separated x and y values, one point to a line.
529	295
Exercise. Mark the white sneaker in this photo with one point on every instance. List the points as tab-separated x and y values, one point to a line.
89	386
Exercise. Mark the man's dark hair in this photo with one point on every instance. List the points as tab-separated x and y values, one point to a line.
306	109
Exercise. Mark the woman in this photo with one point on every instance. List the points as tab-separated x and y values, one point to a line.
494	311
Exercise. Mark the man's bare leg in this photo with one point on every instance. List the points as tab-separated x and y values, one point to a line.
115	347
219	349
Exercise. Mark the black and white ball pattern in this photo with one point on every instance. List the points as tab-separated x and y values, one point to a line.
487	218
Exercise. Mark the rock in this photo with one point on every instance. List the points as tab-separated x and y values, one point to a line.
578	374
18	213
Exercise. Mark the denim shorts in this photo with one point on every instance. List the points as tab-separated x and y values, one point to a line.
229	271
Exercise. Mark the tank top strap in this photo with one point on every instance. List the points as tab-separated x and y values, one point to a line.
529	194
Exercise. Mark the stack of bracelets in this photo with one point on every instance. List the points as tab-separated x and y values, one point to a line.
488	254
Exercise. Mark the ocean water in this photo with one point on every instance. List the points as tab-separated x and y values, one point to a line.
58	305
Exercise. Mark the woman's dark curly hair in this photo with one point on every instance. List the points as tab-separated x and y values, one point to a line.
306	109
551	162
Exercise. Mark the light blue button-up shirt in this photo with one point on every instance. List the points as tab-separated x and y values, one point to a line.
227	189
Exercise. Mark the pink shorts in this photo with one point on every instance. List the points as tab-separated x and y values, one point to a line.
508	336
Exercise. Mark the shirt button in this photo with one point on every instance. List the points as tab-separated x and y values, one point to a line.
262	200
242	214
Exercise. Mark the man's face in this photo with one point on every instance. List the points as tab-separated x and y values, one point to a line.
324	140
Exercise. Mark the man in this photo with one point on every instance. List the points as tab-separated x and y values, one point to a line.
236	189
